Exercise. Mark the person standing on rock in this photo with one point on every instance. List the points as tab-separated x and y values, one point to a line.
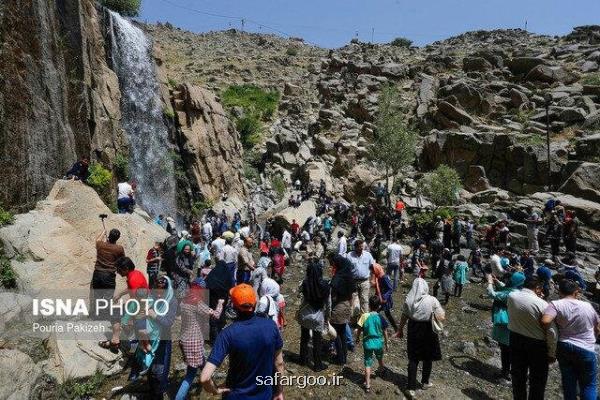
457	228
533	227
103	282
361	261
422	343
570	231
532	347
578	327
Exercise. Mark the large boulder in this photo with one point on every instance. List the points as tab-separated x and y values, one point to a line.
522	65
77	355
476	181
306	210
18	375
586	210
53	246
549	74
209	144
454	113
14	307
588	147
584	182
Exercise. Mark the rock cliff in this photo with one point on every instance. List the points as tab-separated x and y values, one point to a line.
58	98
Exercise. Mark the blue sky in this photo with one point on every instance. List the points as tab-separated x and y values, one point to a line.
332	23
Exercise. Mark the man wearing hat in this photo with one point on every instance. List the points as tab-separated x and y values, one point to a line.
254	347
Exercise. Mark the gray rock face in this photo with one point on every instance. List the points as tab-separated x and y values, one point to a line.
584	182
17	383
209	143
58	98
454	113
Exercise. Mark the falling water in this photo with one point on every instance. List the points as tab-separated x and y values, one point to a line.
150	163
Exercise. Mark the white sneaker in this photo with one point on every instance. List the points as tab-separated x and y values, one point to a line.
410	394
427	385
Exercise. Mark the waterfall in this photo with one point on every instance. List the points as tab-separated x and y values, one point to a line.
150	163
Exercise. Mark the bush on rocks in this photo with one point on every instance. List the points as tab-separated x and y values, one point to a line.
130	8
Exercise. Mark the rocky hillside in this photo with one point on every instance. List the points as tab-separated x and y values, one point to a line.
478	100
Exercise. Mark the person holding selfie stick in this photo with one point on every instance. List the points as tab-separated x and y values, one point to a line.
103	280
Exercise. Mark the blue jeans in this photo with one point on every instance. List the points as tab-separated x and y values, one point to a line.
578	367
349	337
184	388
393	270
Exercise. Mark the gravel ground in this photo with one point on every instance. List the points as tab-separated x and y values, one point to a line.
469	368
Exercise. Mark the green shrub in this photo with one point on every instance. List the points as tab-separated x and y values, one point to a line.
81	388
199	207
424	219
401	42
8	276
6	217
168	112
121	166
291	51
252	99
591	79
533	140
100	179
442	185
172	83
130	8
278	185
249	128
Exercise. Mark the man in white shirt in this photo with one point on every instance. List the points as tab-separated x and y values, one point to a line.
361	261
394	255
533	227
125	199
217	247
532	347
207	231
496	265
230	256
342	244
286	241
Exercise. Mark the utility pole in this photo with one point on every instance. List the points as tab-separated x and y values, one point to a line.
243	22
547	100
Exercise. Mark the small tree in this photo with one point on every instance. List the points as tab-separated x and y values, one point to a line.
394	145
442	186
401	42
130	8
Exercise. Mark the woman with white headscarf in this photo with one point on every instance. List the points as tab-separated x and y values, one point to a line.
422	342
271	303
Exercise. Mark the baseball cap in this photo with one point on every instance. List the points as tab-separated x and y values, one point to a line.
243	297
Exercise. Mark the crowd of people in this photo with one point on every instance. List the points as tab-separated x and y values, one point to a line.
230	271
